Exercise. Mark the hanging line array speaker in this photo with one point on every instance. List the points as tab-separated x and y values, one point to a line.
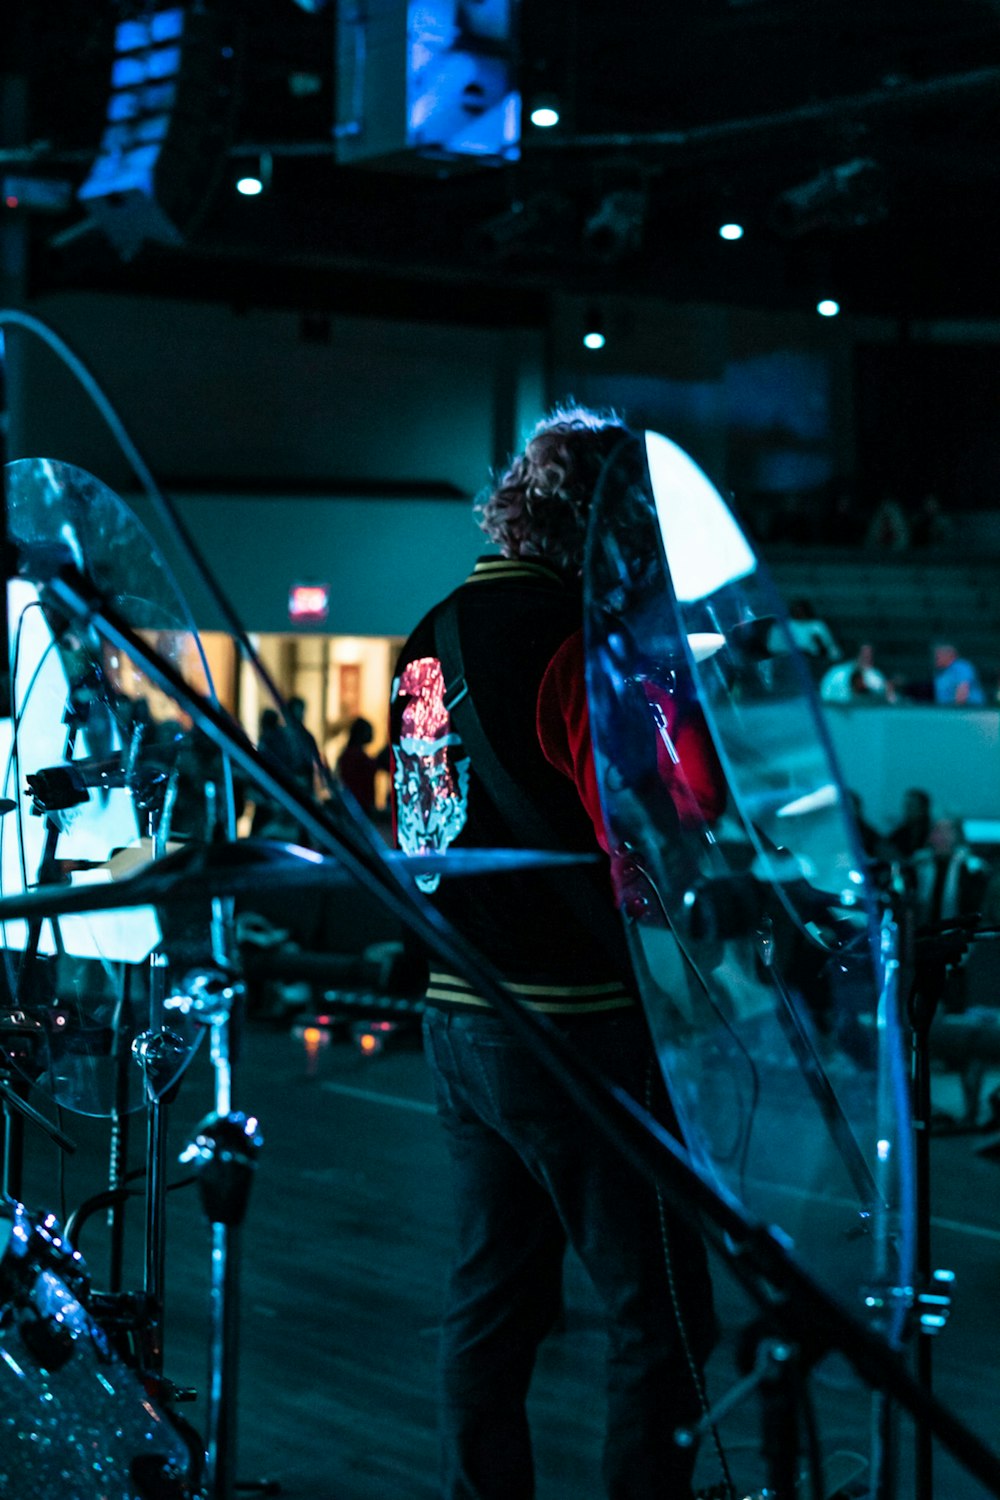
168	127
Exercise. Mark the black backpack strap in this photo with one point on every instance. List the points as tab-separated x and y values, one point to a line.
577	889
507	796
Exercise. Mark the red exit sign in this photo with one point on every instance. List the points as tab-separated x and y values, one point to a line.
309	601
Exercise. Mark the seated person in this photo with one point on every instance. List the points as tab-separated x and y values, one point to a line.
956	680
811	635
857	681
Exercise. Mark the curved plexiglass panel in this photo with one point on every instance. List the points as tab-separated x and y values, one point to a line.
103	771
755	934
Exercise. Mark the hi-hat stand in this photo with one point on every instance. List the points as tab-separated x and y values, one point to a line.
224	1154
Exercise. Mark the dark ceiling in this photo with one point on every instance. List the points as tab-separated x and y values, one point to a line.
702	111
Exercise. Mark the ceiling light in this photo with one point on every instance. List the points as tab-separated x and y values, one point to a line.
731	231
252	183
593	330
828	308
544	112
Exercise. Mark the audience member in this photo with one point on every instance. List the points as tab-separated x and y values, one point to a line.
811	634
301	753
270	820
955	679
889	530
270	736
912	832
929	526
948	879
357	769
857	681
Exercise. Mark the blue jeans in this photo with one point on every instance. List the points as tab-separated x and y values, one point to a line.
531	1171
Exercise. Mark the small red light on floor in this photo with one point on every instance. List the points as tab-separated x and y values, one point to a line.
313	1039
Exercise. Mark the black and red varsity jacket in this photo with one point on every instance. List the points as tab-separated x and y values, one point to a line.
520	628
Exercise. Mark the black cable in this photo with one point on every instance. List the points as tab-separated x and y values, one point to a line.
696	1375
727	1025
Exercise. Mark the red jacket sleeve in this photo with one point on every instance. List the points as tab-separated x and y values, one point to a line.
563	724
696	782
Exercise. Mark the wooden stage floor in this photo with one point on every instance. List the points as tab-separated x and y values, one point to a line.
344	1254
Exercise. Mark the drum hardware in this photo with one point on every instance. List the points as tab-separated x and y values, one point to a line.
73	1418
126	1318
224	1154
201	871
16	1110
931	954
107	1198
384	978
39	530
776	1373
21	1038
28	982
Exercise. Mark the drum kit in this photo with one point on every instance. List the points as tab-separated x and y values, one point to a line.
119	875
771	963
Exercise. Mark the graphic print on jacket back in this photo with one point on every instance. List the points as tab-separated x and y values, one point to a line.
431	785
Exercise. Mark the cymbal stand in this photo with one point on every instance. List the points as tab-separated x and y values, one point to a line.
224	1155
159	1052
935	954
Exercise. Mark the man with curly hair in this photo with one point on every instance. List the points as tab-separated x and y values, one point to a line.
491	743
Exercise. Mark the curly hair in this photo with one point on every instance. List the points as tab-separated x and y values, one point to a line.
539	505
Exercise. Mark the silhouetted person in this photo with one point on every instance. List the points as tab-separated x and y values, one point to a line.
911	833
356	768
302	755
529	1167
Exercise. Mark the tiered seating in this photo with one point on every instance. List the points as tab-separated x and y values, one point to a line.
901	603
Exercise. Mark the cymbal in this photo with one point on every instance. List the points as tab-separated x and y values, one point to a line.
248	867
